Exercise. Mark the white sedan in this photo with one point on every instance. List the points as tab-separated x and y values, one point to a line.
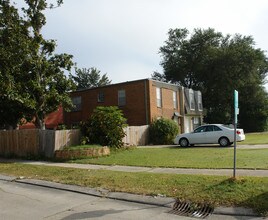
210	134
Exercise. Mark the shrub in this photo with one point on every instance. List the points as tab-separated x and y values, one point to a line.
105	127
163	131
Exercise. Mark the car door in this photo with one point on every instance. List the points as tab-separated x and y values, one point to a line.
209	134
213	133
198	136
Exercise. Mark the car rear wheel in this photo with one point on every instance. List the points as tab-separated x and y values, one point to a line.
224	142
184	142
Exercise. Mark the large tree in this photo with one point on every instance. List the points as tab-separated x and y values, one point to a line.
37	83
217	64
14	48
89	78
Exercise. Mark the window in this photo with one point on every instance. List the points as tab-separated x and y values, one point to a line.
158	97
121	97
196	121
199	97
192	102
175	100
209	128
200	129
77	103
216	128
101	97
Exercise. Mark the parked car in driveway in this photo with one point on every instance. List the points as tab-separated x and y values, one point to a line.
210	134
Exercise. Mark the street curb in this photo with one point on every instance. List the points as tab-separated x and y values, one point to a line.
235	211
128	197
150	200
7	178
99	192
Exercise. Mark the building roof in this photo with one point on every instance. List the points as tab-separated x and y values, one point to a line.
52	120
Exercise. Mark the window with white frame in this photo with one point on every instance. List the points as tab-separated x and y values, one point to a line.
196	120
77	102
158	97
121	97
200	105
175	100
192	101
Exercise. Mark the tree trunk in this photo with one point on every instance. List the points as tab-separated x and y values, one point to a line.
39	123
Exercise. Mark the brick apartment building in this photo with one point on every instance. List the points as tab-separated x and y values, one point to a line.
141	101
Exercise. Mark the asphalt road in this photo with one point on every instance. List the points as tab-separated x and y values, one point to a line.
21	201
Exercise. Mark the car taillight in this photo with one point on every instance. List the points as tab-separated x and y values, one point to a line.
238	132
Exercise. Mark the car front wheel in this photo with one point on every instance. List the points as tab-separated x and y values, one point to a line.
184	142
224	142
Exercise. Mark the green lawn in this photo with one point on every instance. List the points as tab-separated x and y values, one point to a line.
215	190
196	157
256	138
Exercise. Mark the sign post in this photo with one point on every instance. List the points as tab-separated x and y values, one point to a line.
236	112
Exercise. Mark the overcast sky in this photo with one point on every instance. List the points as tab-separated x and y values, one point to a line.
122	37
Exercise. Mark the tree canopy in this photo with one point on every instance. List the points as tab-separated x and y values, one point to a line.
13	52
89	78
216	65
32	79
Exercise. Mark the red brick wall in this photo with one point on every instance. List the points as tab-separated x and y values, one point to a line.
140	108
134	110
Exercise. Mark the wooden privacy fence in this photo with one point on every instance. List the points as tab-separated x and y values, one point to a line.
136	135
34	142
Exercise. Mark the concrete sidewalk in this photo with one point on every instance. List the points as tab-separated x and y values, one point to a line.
218	172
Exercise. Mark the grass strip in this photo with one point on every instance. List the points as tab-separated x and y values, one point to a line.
249	192
255	138
175	157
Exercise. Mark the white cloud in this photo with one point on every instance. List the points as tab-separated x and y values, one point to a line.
123	37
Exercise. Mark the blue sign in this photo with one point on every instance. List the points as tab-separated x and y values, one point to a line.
235	99
236	109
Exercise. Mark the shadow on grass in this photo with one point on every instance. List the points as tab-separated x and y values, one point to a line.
259	204
234	187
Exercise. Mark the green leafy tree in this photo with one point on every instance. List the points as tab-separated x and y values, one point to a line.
216	65
37	83
254	111
89	78
14	48
163	131
105	127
